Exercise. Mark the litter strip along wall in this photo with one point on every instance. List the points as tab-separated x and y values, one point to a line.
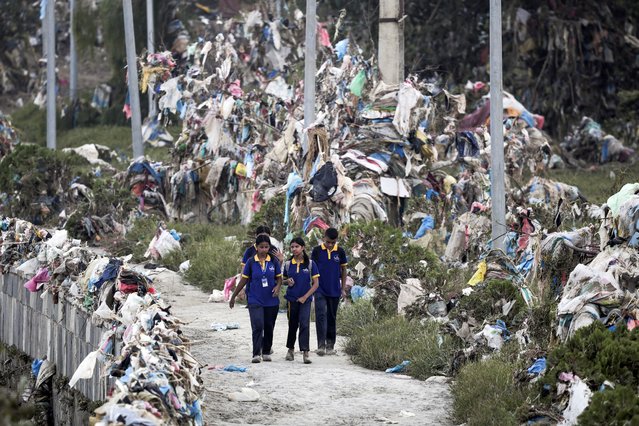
61	332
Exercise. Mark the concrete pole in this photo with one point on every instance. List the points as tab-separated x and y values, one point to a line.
73	56
134	87
278	9
497	191
150	47
51	83
310	67
391	41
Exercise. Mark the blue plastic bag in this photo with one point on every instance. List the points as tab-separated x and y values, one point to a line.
538	367
398	367
235	368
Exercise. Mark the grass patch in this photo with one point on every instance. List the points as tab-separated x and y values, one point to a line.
596	184
388	342
213	259
354	317
486	393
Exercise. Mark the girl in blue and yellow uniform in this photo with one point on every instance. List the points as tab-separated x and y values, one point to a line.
263	275
301	275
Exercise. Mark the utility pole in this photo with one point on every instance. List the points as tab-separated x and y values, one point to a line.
391	41
278	9
51	82
73	56
134	91
150	47
497	191
310	65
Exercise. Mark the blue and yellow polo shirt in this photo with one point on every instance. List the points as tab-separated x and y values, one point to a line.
260	292
302	277
329	264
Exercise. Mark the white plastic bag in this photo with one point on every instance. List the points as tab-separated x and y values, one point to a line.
85	369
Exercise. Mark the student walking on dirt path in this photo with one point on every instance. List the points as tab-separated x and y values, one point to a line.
301	275
262	276
331	262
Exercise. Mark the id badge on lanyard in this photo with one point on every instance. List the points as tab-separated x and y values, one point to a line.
264	280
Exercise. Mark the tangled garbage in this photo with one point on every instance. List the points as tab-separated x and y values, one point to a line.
157	380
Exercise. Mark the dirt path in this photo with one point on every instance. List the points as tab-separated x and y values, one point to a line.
331	390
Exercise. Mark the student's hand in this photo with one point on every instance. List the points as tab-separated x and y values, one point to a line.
280	256
302	300
232	302
344	295
290	282
276	291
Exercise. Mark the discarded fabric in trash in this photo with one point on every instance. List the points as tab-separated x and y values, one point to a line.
38	280
580	395
184	266
408	293
538	368
235	368
398	367
216	326
216	296
161	245
428	224
363	293
244	395
494	335
479	275
85	369
35	367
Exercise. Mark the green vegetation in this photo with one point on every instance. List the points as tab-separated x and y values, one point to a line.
354	317
599	354
618	406
212	258
486	393
487	300
388	341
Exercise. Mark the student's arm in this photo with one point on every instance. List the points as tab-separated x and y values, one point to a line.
238	288
314	286
278	280
343	265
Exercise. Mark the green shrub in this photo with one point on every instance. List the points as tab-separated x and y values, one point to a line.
486	393
388	342
618	406
354	317
599	354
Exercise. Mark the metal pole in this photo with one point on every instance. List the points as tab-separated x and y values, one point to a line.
497	191
310	65
391	41
278	9
73	65
150	47
51	83
134	91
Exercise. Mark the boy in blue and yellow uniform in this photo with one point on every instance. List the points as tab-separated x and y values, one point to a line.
331	262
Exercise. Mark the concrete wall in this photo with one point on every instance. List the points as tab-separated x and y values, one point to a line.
61	332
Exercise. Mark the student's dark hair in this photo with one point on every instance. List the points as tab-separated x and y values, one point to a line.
300	241
262	239
263	229
331	233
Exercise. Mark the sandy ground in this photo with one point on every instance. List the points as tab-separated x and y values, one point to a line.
331	390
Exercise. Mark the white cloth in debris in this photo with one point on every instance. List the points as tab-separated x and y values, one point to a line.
172	95
408	97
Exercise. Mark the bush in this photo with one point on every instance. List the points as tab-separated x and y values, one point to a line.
618	406
386	343
272	215
354	317
599	354
485	393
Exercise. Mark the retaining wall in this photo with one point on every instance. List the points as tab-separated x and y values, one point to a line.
61	332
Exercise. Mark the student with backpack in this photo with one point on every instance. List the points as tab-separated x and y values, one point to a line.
301	275
262	276
331	262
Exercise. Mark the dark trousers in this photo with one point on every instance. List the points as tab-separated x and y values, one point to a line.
325	316
299	315
262	323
